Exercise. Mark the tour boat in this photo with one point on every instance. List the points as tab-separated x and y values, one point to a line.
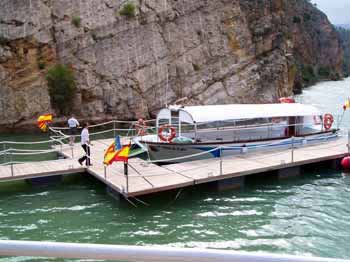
187	133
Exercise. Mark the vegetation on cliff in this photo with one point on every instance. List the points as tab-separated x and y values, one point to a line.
62	88
345	37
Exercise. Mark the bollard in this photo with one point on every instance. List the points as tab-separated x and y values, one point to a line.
126	175
72	151
5	154
292	149
11	159
220	161
105	171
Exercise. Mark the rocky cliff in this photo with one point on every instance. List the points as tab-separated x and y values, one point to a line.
223	51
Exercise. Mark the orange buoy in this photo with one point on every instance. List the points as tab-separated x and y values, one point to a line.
345	162
286	100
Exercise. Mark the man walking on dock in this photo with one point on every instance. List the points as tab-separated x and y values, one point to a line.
73	129
85	143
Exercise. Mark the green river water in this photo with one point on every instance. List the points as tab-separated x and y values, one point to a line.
308	215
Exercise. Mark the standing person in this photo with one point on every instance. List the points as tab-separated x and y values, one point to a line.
85	143
73	129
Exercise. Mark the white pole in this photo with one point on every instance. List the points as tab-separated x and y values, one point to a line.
348	145
220	161
292	149
144	254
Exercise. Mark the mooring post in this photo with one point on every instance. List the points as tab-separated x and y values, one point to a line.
126	176
5	154
105	171
292	149
220	161
348	145
71	148
11	159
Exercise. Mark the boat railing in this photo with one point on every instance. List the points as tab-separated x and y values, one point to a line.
13	248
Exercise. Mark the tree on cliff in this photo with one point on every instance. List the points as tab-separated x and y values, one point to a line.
62	88
345	37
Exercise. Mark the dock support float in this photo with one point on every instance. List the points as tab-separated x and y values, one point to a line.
113	193
231	183
45	181
289	172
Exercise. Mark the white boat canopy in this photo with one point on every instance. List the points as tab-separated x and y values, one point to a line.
211	113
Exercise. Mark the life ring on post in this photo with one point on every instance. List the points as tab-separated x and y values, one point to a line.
286	100
168	138
141	127
328	121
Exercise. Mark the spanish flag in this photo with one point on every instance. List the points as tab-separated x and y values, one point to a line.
346	104
43	120
111	155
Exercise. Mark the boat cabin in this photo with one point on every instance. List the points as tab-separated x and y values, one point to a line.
241	122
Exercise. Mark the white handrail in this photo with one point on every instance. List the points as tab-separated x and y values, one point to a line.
140	253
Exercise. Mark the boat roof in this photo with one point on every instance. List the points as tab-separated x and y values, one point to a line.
211	113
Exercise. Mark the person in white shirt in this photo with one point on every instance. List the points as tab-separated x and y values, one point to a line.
85	143
73	129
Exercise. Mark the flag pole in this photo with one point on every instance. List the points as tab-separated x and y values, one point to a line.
341	119
126	175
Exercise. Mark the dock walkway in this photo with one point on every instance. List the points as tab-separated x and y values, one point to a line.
146	178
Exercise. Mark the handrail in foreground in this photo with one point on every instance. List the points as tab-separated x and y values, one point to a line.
142	253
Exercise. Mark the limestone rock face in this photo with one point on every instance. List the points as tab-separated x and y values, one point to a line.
211	52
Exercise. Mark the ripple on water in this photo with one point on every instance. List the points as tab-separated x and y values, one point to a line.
234	213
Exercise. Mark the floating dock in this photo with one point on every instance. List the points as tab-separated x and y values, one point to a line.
145	178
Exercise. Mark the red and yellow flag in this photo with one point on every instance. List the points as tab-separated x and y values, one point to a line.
43	120
111	155
346	104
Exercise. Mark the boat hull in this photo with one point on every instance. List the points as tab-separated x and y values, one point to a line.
175	153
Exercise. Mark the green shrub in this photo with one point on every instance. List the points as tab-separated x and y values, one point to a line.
41	65
76	21
307	74
196	67
62	88
296	20
324	71
128	10
307	17
3	40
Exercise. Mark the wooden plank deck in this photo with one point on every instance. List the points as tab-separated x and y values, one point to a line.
151	178
146	178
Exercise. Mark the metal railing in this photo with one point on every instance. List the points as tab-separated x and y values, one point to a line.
142	253
60	139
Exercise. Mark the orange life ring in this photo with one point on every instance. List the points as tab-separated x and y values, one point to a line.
328	121
141	127
286	100
169	137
